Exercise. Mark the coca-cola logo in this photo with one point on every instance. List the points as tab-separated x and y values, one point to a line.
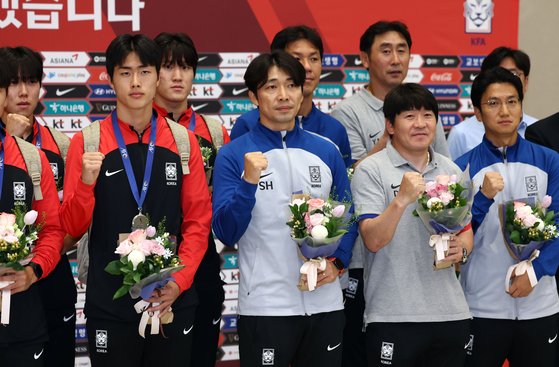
441	77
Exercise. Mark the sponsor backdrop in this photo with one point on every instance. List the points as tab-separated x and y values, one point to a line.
449	41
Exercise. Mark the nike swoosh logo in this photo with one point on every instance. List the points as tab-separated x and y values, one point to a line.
358	62
185	332
329	348
216	321
373	135
266	175
66	319
392	186
322	76
196	108
552	340
37	356
60	93
109	174
202	58
236	91
473	76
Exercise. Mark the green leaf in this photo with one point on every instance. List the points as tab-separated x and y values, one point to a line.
137	277
114	267
121	292
515	236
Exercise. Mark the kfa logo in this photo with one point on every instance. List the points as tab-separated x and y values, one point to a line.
352	287
386	351
531	183
101	340
171	173
54	168
267	357
19	191
314	173
478	15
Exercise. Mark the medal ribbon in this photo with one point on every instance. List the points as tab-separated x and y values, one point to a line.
140	198
38	140
192	124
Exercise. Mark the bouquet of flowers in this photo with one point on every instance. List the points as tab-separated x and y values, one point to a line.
18	232
527	225
444	209
317	226
147	261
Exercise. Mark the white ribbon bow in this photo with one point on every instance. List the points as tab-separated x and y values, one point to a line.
6	298
521	268
440	242
310	268
147	317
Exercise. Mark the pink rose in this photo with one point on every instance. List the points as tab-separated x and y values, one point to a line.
7	219
316	219
523	211
546	202
518	204
446	197
443	179
137	236
150	231
315	204
308	221
431	188
154	248
338	211
123	248
529	220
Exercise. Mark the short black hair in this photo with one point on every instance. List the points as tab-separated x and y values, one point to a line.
24	64
407	97
296	33
147	50
177	48
494	59
492	76
4	71
381	27
256	74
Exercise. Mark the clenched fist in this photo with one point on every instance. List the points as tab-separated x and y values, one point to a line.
255	163
492	184
18	125
91	166
411	187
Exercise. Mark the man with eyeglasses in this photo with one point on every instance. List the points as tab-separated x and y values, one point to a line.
519	324
467	134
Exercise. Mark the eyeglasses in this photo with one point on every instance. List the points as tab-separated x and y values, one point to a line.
517	73
496	104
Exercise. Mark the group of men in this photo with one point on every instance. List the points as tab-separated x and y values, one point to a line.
395	309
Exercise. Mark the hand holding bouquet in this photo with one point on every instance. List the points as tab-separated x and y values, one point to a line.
147	261
17	234
444	209
527	225
317	226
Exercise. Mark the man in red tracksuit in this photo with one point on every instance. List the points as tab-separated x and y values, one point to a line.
178	68
22	341
58	290
136	150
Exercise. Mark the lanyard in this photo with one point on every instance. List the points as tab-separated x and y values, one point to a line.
192	124
38	140
126	160
2	150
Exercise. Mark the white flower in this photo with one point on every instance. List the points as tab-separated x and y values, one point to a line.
298	202
30	217
432	201
541	225
319	232
136	257
168	254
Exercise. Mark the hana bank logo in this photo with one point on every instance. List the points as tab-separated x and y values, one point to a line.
478	15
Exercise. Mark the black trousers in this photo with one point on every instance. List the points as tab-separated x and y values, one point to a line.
296	341
30	355
113	343
530	343
354	353
421	344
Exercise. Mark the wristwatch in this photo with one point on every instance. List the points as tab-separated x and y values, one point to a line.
36	269
464	255
337	263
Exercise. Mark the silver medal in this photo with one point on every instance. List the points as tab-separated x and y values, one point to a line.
140	221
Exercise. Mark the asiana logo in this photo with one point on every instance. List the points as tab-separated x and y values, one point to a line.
478	15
